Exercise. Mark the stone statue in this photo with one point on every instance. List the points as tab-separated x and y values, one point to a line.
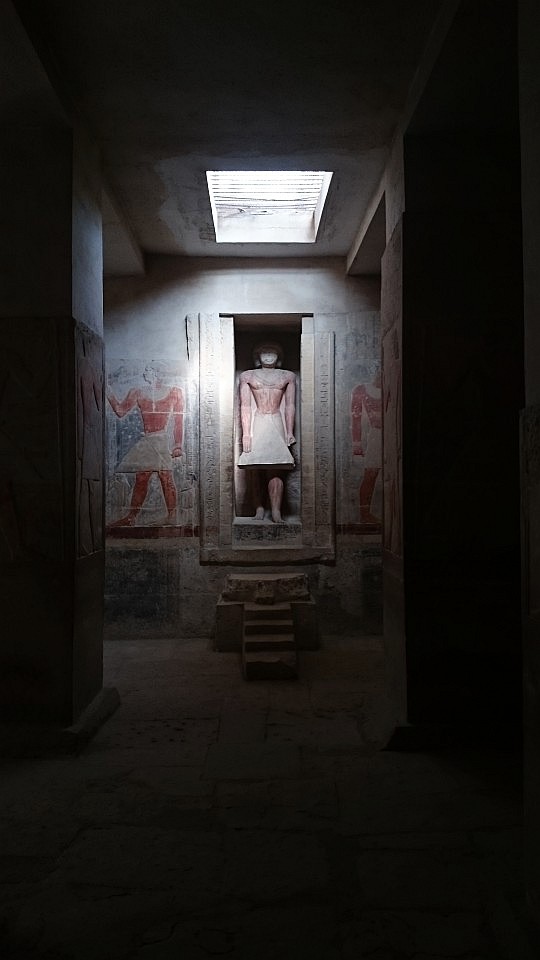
266	434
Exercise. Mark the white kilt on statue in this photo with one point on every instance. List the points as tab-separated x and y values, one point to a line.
268	444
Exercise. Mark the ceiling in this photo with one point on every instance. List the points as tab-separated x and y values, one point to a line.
171	89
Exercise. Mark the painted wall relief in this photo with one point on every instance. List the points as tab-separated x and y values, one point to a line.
151	486
359	501
267	415
366	424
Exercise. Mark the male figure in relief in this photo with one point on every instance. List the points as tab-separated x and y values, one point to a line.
151	454
366	424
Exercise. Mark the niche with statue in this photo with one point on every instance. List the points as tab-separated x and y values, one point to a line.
266	439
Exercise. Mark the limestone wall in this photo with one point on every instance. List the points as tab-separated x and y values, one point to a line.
156	582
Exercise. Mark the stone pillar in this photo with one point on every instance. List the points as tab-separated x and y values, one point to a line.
51	405
452	349
462	393
393	586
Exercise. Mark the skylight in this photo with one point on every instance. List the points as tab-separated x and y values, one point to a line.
267	206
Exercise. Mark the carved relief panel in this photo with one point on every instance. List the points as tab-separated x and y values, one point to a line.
151	439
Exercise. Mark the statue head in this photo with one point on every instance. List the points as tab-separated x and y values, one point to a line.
267	347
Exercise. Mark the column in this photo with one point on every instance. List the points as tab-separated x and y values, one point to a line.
51	404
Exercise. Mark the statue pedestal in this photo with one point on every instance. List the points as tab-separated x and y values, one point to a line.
248	532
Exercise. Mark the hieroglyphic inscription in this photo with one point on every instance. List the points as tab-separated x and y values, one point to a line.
308	435
391	321
209	440
226	467
252	534
324	445
189	493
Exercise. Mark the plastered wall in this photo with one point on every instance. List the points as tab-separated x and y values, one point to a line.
156	584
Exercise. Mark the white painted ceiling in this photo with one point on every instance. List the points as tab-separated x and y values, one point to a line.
171	89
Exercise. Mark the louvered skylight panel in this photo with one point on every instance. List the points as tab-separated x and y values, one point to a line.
255	191
267	206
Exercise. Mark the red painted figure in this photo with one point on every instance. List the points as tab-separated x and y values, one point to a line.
151	454
366	400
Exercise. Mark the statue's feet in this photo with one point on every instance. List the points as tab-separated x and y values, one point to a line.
171	519
259	513
276	516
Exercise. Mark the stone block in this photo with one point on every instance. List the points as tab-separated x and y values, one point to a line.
229	623
266	588
305	624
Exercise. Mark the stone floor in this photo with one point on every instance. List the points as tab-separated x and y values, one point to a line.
211	817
